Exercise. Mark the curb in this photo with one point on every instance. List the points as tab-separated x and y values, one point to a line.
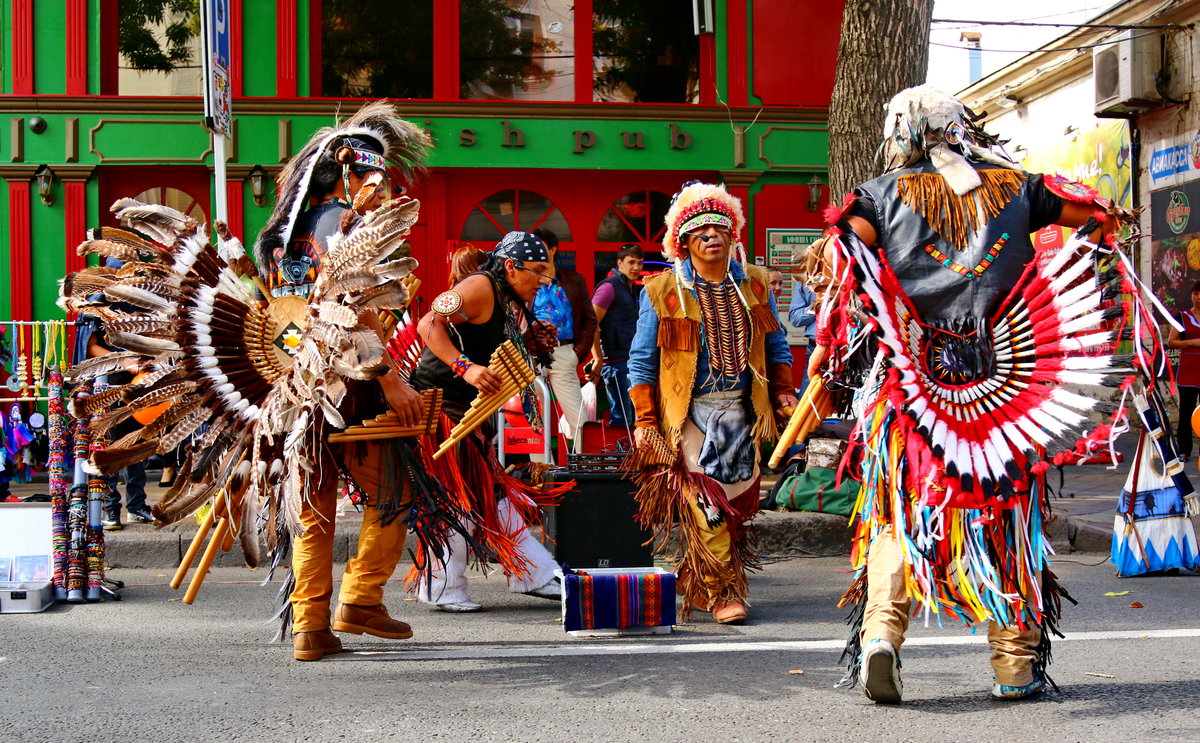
818	534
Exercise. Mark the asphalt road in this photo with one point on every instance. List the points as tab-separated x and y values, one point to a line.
152	669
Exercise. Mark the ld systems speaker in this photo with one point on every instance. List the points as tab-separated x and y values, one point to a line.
594	526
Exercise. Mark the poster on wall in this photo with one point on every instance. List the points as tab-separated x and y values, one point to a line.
785	251
1098	158
1175	243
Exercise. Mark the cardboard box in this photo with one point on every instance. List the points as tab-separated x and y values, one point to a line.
25	598
616	602
25	562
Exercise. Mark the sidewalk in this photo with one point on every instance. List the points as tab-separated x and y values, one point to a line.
1083	511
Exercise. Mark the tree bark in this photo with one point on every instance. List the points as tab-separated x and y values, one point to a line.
884	48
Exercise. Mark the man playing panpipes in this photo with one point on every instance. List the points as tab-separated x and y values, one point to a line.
708	367
462	330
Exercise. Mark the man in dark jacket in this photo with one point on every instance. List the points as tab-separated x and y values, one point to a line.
616	305
565	304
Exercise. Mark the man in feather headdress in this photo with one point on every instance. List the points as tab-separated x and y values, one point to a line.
337	175
958	337
709	370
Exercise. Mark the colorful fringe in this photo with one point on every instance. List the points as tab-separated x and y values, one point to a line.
956	218
664	497
473	481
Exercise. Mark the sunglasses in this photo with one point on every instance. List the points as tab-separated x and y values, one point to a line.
551	279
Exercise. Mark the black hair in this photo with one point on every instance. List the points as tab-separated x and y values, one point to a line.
1196	286
547	236
629	249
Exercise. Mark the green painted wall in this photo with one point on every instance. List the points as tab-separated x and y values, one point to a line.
258	41
49	47
547	143
303	84
49	260
5	260
93	46
6	45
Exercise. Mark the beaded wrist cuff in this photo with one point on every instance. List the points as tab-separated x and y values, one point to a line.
461	364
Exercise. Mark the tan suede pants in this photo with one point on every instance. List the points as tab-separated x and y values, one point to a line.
888	609
379	547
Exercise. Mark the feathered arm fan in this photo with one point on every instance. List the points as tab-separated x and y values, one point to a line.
251	382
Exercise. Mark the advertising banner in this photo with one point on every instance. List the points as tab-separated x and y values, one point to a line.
1175	246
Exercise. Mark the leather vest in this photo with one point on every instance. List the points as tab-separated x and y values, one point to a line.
620	321
946	282
478	343
679	344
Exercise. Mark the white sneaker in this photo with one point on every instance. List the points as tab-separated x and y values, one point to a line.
880	673
460	607
552	590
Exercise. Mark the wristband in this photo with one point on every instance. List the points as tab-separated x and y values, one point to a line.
460	365
824	337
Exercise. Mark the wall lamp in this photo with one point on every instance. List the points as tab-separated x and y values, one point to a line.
258	185
45	184
816	190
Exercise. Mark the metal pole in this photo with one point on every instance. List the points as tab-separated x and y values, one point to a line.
219	188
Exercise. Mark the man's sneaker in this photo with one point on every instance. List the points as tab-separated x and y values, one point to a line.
141	516
110	522
552	590
459	607
1035	687
880	674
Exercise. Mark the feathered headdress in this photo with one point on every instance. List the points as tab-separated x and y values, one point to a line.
374	138
698	204
923	121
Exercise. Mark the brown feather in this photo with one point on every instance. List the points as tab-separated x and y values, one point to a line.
113	459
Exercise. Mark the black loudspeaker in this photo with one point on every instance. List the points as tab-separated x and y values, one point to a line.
594	526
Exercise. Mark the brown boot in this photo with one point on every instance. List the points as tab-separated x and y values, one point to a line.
373	620
315	645
728	612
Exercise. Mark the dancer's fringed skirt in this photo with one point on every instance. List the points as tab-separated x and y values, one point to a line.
473	481
715	545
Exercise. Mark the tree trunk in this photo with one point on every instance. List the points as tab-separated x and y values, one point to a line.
884	48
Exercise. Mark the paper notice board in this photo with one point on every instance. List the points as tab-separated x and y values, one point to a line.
785	251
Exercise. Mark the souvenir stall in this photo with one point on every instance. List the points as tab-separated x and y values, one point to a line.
40	434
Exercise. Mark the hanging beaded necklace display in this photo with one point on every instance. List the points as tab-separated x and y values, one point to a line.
726	330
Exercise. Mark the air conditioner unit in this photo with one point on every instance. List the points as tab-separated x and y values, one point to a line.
1123	73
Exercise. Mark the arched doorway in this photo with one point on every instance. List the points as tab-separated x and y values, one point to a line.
638	217
184	187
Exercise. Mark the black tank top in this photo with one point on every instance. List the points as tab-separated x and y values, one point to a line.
478	343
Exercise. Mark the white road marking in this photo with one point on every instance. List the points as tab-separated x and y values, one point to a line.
667	648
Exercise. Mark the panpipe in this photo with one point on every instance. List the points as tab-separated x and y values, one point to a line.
815	405
387	425
654	450
509	364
